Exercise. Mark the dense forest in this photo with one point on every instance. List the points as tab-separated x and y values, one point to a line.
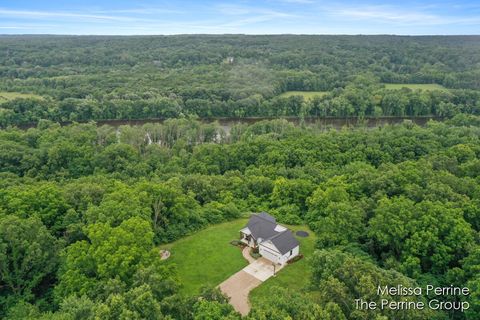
82	78
84	207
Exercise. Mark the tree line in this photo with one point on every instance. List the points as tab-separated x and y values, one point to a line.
83	208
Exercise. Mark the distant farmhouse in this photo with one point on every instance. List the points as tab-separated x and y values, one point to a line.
274	242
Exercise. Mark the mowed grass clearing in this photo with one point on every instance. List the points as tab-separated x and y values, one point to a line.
294	276
415	86
207	258
6	96
307	95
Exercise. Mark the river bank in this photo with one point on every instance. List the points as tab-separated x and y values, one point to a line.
228	122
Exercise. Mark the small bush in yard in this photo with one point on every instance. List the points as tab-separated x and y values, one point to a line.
237	243
255	255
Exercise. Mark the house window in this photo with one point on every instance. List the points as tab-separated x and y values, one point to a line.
291	251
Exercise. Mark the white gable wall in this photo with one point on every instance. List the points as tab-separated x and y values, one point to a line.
270	246
246	230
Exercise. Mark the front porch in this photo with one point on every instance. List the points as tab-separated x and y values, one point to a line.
246	237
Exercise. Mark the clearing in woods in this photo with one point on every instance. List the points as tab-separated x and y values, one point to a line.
206	258
415	86
307	95
6	96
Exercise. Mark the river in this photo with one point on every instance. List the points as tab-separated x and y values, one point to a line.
227	123
330	122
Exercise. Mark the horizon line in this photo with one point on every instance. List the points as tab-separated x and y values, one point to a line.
239	34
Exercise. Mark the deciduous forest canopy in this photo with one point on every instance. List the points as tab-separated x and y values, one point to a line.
105	77
84	208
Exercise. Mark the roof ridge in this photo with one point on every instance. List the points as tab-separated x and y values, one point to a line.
278	233
284	241
264	219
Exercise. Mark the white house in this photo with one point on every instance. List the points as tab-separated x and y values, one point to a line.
275	242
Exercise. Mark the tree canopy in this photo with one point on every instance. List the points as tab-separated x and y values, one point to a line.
392	204
99	77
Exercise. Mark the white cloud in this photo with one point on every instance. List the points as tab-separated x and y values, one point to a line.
386	14
22	26
274	16
399	16
58	14
298	1
234	10
238	10
142	10
248	15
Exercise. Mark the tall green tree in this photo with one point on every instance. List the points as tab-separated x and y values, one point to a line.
28	260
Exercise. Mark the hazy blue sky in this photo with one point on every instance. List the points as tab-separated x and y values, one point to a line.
253	17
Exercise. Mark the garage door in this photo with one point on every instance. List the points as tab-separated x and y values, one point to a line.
268	255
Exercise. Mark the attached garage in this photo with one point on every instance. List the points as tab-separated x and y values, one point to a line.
280	248
269	254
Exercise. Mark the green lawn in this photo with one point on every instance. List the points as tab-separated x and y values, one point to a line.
415	86
294	276
207	257
5	96
307	95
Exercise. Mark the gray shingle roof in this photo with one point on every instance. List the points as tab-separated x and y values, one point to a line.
284	241
266	216
263	225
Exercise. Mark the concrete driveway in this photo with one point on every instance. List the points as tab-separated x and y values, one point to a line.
262	269
238	286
